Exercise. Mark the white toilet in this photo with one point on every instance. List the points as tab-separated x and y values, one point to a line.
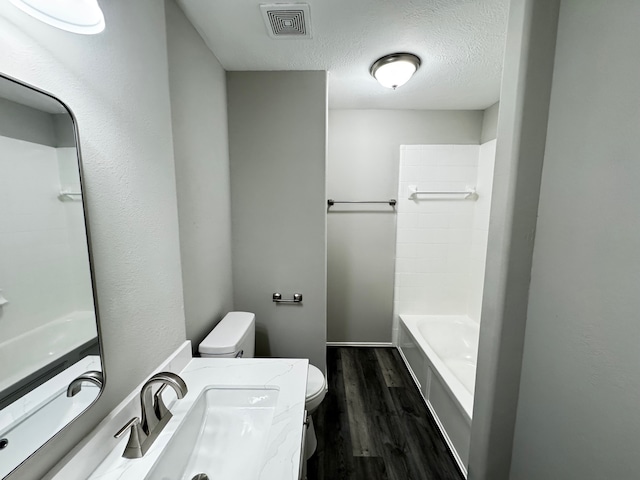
235	337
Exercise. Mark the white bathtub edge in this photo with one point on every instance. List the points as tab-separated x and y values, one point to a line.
463	397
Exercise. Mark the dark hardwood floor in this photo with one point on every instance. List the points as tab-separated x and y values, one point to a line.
373	423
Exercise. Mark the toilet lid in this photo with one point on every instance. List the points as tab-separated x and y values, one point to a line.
315	381
229	334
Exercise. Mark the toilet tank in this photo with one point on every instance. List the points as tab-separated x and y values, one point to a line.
234	336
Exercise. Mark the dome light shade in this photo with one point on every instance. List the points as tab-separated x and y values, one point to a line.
393	71
77	16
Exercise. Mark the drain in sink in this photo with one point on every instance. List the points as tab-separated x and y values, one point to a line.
200	476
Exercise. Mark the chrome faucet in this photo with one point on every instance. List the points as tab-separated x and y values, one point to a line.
154	413
92	376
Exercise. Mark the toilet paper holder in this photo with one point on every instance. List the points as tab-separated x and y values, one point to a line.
297	298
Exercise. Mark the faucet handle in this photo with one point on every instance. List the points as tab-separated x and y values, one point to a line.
136	439
131	423
159	407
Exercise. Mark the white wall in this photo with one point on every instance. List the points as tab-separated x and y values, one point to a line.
442	240
364	149
480	234
490	123
36	273
200	141
116	84
434	232
580	384
524	102
277	146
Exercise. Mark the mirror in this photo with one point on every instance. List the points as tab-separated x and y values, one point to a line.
50	367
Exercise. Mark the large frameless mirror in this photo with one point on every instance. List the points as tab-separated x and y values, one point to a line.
50	367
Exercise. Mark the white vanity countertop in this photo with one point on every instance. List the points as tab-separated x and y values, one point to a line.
282	458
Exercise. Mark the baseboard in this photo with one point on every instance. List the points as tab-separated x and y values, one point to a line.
359	344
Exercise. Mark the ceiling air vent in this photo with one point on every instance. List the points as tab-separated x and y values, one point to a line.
287	20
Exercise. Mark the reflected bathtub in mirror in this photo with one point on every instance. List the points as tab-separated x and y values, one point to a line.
48	319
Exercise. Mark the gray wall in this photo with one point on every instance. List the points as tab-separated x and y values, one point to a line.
490	123
277	147
26	123
64	132
580	386
117	85
363	163
200	142
35	126
524	105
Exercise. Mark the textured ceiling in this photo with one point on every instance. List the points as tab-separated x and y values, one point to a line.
460	42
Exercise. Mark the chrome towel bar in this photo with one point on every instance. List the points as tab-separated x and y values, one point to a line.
391	202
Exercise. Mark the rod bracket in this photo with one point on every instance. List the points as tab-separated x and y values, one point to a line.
297	298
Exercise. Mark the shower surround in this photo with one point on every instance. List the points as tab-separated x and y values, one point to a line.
442	239
441	249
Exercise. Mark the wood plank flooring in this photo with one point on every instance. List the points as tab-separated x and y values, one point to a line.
373	423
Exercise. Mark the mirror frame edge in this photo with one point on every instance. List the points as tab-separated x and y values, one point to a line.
94	292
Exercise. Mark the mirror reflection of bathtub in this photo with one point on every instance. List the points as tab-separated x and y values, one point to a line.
39	354
48	325
29	422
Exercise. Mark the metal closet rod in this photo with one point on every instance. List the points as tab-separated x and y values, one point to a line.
391	202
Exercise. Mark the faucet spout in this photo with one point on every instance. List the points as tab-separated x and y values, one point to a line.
154	412
92	376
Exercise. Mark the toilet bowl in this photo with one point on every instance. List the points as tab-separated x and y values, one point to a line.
235	336
316	389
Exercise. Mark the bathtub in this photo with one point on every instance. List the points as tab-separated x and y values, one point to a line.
441	353
42	352
36	417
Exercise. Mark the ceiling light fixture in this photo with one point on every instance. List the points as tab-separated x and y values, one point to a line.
393	71
77	16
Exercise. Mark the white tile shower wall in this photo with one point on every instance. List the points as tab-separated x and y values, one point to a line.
36	267
482	208
434	237
80	276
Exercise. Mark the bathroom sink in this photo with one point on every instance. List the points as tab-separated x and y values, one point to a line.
242	419
224	436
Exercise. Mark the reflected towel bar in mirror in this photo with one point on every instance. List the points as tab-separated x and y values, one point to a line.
67	195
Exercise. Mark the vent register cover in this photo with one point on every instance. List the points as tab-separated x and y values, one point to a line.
287	20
